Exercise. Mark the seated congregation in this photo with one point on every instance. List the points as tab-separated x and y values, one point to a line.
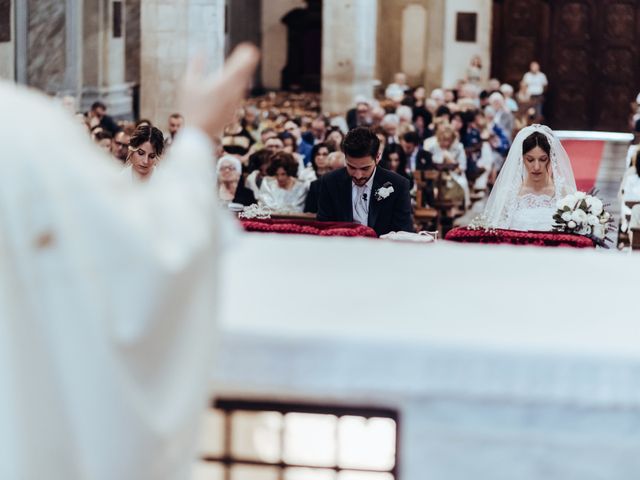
434	156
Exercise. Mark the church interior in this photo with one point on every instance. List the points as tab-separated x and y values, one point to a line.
369	359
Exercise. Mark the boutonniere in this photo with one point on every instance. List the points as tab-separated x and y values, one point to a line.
384	191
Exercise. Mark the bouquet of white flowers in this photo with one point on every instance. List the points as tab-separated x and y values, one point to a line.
584	214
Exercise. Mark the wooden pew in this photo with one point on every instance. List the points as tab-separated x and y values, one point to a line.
425	218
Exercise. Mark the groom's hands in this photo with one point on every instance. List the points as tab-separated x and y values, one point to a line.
209	102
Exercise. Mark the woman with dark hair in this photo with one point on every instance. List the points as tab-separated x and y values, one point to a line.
535	176
102	138
145	148
394	159
421	121
288	141
258	165
281	190
334	137
143	122
320	158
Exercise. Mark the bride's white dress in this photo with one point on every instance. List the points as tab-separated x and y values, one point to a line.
533	212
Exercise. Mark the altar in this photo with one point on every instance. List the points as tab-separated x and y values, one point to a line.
503	362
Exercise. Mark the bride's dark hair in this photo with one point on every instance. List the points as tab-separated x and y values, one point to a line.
536	139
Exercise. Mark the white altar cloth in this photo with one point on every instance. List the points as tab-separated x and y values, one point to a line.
504	362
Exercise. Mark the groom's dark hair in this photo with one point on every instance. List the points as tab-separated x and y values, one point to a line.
361	142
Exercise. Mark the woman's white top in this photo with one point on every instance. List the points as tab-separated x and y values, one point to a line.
281	200
534	212
456	151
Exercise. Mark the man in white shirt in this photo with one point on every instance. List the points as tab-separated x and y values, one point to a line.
537	83
108	291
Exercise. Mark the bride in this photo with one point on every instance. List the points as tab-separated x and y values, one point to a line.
536	174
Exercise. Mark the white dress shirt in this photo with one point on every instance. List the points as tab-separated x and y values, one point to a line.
360	198
536	82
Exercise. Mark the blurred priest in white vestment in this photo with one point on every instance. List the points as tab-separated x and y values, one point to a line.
107	292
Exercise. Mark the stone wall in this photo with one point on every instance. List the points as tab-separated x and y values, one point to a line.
458	54
172	32
132	41
115	57
348	52
393	39
7	45
274	40
103	59
46	45
418	37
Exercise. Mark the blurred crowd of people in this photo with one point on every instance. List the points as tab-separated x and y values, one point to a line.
279	145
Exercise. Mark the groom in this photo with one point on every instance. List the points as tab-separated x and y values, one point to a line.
362	192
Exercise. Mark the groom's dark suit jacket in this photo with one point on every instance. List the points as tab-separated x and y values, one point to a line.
391	214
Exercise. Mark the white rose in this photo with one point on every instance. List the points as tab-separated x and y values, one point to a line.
598	231
579	216
592	220
605	217
580	195
596	206
568	201
566	216
572	225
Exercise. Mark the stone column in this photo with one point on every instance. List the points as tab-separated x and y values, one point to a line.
46	45
274	40
73	51
21	40
435	51
172	32
132	52
410	40
348	52
7	40
103	59
132	41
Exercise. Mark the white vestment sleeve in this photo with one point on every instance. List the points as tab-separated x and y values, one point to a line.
107	302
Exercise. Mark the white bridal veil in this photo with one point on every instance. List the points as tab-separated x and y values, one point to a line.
503	198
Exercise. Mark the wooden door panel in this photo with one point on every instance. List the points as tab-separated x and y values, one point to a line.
520	38
617	73
571	83
588	49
